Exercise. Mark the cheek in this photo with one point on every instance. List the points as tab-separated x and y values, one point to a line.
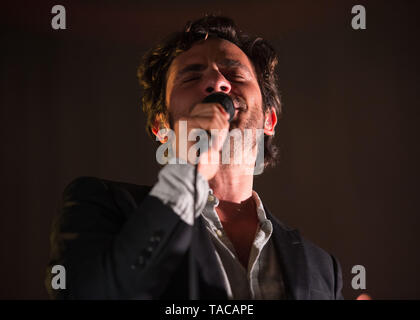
258	96
252	93
257	108
179	103
256	101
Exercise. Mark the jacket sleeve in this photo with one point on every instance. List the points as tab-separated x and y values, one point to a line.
109	254
338	279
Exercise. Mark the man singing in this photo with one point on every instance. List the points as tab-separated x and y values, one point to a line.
201	231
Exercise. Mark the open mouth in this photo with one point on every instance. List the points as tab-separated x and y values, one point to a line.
239	104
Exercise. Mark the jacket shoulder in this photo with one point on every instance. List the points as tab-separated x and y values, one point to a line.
312	250
325	271
82	186
88	186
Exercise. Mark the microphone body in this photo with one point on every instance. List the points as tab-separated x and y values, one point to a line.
224	100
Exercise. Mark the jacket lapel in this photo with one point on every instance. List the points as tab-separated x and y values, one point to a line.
289	246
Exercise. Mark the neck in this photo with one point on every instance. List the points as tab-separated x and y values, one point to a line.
233	188
232	185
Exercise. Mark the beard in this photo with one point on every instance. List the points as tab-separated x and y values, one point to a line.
248	117
240	146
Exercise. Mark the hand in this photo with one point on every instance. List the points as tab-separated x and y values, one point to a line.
205	116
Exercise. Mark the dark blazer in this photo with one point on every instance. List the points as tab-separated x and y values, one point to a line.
117	242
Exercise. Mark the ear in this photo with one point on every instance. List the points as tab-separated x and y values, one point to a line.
160	128
270	121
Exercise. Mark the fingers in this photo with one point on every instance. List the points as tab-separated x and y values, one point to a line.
210	116
364	296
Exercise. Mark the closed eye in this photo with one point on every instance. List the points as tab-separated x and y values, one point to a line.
236	78
191	79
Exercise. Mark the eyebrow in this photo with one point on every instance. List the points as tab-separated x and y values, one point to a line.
234	63
195	67
227	63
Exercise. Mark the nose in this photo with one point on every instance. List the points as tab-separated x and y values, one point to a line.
216	82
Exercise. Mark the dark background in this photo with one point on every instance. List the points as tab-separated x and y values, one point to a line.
347	177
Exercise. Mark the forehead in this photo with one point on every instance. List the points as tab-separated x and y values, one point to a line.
211	50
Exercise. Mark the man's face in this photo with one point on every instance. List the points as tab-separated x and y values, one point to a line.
215	65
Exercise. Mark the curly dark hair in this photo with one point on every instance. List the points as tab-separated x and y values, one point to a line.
152	72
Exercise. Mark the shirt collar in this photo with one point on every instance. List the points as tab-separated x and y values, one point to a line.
212	217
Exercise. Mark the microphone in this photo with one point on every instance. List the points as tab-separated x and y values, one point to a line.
224	100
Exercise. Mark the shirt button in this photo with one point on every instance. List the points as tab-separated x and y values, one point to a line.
219	233
210	198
